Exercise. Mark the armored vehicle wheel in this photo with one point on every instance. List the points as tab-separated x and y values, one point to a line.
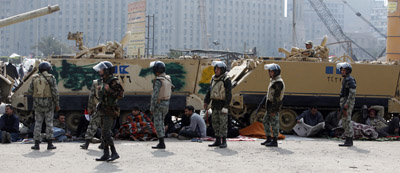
123	116
287	120
257	117
73	119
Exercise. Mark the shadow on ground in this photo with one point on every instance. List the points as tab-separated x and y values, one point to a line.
107	167
162	153
225	151
39	154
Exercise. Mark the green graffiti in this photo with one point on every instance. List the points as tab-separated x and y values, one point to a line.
75	77
175	70
204	88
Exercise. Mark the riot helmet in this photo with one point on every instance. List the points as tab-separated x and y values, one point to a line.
158	67
346	66
44	66
220	65
309	42
273	67
106	66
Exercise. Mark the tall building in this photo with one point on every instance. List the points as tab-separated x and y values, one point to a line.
100	20
235	24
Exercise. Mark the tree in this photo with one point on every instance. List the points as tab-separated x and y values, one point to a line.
51	46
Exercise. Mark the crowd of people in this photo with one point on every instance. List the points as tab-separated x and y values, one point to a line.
311	123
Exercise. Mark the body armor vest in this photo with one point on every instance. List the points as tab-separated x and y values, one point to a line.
41	85
166	87
271	91
218	88
348	82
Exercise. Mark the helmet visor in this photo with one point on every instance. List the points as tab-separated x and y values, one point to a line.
343	65
271	67
152	63
100	66
218	64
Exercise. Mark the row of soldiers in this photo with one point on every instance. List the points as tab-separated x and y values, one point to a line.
106	91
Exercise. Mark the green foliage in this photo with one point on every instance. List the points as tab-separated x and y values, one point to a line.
176	72
51	46
75	77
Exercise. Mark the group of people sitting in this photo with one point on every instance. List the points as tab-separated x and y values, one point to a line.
372	125
139	126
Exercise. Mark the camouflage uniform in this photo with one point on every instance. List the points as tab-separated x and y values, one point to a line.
348	97
219	120
44	106
158	107
108	109
95	119
274	98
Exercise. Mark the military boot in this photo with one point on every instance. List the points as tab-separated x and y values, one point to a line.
50	145
273	143
160	145
101	146
85	146
106	154
267	141
347	143
217	142
114	154
36	146
223	145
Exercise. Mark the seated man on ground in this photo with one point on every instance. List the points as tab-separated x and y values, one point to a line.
9	126
138	126
375	119
309	123
197	127
332	122
60	130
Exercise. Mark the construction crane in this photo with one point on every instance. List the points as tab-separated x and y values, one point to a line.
203	24
369	23
333	26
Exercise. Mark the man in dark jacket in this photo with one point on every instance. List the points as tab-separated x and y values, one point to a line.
9	126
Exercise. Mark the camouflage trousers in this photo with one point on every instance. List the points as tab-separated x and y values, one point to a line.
107	122
94	124
219	123
271	123
48	118
346	120
159	114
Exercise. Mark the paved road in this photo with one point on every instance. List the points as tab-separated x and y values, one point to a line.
294	155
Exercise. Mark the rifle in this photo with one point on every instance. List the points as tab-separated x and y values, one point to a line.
262	102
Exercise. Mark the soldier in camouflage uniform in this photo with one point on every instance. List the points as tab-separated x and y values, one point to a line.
107	108
347	101
309	52
162	90
95	120
44	90
274	97
220	95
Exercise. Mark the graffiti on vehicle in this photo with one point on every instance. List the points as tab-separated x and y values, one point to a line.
205	80
175	70
75	77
